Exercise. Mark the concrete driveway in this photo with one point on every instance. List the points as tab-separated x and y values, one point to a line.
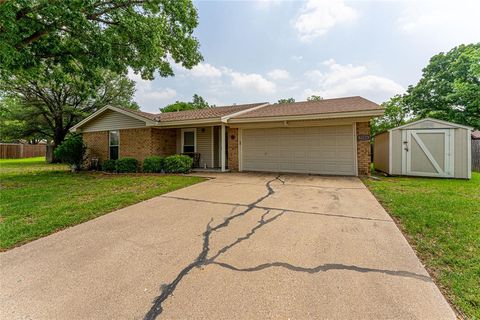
240	246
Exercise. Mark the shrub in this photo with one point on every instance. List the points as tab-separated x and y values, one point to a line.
72	151
109	165
125	165
153	164
178	164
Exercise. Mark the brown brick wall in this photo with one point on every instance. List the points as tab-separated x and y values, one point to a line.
233	149
363	149
97	144
164	142
135	143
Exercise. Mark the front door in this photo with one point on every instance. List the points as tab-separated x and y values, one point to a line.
428	152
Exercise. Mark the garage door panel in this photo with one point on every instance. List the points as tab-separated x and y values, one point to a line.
324	150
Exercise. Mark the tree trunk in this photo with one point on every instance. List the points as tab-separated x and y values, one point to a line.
58	137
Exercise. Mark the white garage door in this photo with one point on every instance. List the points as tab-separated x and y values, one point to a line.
323	150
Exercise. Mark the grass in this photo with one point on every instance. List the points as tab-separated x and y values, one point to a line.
38	199
441	219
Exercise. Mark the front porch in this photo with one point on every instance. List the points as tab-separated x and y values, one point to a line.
209	145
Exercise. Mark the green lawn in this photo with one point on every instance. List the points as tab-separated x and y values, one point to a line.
37	199
441	219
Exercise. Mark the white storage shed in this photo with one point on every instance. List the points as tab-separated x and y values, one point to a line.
428	147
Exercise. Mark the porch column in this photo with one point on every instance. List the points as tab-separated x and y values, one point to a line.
222	148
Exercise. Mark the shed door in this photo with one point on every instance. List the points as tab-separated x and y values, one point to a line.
323	150
428	152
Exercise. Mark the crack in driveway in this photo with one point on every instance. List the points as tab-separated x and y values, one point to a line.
327	214
201	260
324	268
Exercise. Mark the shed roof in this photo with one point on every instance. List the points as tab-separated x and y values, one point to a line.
442	122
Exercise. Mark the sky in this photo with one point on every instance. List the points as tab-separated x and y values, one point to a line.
262	51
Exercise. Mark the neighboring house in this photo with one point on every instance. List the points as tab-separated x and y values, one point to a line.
330	136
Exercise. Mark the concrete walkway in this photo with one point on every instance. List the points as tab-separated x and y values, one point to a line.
240	246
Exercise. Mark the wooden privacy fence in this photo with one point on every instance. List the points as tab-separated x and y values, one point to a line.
476	155
18	150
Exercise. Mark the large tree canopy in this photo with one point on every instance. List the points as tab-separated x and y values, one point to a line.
19	126
449	88
50	103
197	103
116	35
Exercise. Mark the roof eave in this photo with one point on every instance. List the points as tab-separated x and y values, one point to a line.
216	120
318	116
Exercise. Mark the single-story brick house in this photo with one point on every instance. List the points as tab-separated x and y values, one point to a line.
330	136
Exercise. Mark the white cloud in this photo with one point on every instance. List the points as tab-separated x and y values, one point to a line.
349	80
451	22
206	70
317	17
296	58
252	81
146	95
162	94
278	74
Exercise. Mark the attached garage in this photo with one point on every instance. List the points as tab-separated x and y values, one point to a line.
328	136
428	147
319	150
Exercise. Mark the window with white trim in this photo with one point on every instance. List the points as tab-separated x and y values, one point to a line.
113	143
188	138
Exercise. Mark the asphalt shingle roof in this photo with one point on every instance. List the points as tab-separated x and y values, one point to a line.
215	112
337	105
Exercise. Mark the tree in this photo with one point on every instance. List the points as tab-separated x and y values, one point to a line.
197	103
286	100
16	126
72	151
51	102
116	35
314	98
450	87
396	114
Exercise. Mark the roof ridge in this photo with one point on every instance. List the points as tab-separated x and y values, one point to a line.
323	100
219	107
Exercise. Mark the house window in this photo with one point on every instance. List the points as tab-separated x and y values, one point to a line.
188	140
113	144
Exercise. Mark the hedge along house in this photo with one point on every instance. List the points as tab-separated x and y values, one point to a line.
428	147
330	136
